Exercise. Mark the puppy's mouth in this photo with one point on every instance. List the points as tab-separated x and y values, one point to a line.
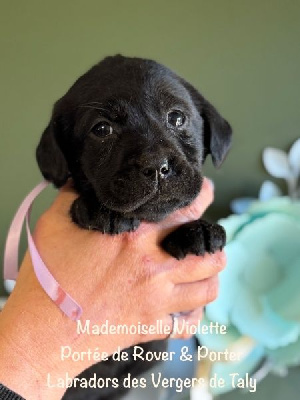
123	197
149	200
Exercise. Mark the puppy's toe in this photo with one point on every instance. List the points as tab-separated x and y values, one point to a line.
216	238
196	237
119	224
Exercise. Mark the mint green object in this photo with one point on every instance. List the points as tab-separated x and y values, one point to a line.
259	293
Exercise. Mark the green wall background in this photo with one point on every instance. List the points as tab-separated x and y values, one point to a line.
243	55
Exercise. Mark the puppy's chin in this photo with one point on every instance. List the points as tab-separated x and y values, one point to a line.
151	202
130	202
153	212
150	211
155	208
126	208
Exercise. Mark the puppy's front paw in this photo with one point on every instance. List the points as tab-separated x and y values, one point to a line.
80	214
119	224
196	237
101	219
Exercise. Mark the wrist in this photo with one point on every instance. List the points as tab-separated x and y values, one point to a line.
32	332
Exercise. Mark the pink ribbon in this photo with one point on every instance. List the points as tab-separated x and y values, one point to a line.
60	297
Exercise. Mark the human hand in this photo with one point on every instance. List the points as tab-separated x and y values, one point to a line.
108	274
126	279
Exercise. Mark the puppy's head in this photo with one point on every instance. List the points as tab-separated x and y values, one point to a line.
135	134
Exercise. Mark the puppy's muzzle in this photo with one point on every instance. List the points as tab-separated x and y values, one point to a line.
139	182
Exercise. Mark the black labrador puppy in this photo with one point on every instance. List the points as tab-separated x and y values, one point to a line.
133	136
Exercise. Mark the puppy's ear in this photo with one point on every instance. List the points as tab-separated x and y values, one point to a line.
50	158
216	132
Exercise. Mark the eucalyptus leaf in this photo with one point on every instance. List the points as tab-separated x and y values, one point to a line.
241	205
269	190
294	158
276	163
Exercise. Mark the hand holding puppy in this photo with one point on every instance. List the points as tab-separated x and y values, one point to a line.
125	279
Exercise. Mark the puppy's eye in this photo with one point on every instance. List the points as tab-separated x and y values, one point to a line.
102	129
176	118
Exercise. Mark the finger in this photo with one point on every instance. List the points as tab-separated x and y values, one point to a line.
192	321
165	330
195	268
64	198
182	326
187	324
194	316
190	296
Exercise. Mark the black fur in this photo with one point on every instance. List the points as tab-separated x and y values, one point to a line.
145	167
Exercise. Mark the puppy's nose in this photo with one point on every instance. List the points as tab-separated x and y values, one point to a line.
163	171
